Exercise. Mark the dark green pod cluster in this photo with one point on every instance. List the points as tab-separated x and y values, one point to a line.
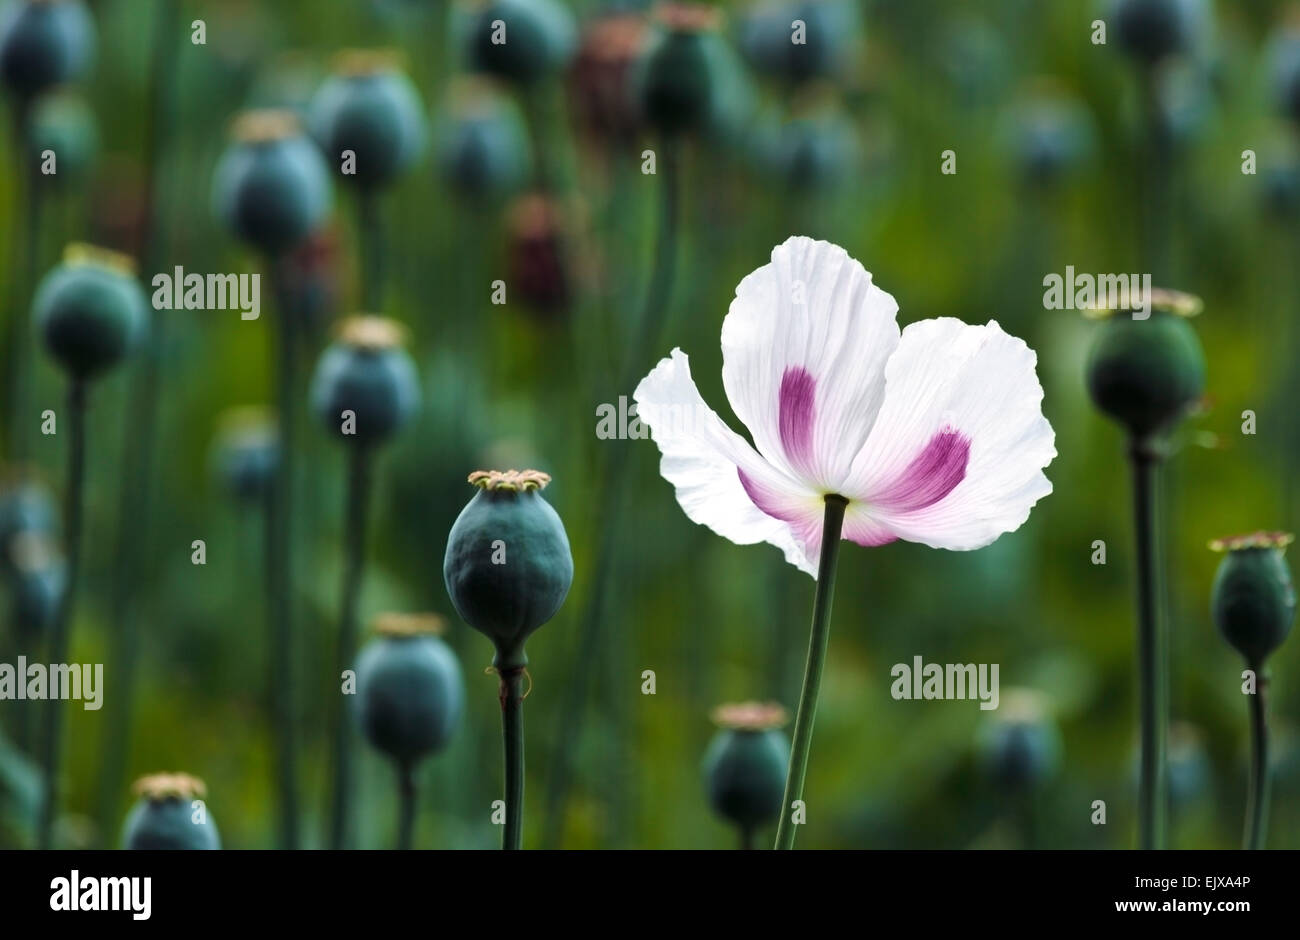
373	110
517	40
246	454
410	694
90	311
679	78
1253	597
1020	749
745	764
508	566
1152	30
829	27
44	43
367	372
1146	374
164	816
271	187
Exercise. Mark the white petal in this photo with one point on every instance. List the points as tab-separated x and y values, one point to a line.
704	460
955	458
813	323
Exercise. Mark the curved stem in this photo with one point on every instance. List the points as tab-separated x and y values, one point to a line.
832	523
512	728
60	636
614	479
1152	681
406	800
1257	803
354	548
279	563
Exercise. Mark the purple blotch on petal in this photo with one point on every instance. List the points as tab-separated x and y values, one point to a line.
796	403
932	474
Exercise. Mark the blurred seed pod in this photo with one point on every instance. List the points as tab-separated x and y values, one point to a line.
165	816
1020	747
63	124
1283	58
44	43
271	187
600	81
678	78
370	108
368	373
1253	597
1189	765
310	278
246	453
745	764
1146	374
799	41
507	602
515	40
975	59
90	310
410	692
1150	31
1279	180
1049	134
537	255
817	148
26	509
37	584
1186	100
483	150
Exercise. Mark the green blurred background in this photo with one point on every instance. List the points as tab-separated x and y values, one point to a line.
516	384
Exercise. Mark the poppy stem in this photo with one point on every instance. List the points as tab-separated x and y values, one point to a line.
1257	801
26	263
354	547
370	231
1152	654
60	635
512	729
832	524
278	560
406	799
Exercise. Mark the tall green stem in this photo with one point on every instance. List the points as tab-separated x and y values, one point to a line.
140	433
279	562
512	728
353	565
406	800
832	524
60	635
614	480
26	262
1257	803
1153	693
370	231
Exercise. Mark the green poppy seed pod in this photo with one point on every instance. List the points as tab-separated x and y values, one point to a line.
44	43
271	187
410	693
37	588
62	124
90	310
26	510
825	29
537	255
371	109
1145	374
1284	68
600	81
508	566
745	764
483	149
678	76
516	40
1048	135
246	454
1020	749
1253	598
1189	767
170	814
365	373
815	151
1151	30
